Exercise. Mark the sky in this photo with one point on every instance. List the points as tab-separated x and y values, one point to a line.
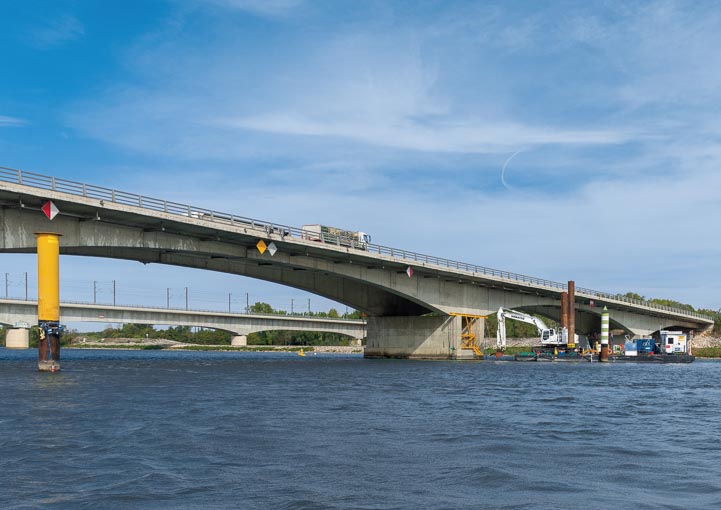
562	140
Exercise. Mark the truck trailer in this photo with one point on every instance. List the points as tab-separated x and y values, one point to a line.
337	236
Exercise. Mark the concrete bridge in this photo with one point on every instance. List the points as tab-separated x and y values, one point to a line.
410	298
14	310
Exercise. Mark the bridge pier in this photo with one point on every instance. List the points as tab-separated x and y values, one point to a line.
414	337
239	341
18	338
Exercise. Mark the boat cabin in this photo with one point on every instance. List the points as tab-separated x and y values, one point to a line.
673	342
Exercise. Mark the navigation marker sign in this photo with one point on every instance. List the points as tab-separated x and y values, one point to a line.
50	209
272	248
261	246
409	271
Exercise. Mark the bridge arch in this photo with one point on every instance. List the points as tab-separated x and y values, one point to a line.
359	286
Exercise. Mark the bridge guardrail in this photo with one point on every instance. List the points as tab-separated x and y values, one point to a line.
122	197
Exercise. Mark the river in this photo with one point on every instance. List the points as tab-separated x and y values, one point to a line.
197	430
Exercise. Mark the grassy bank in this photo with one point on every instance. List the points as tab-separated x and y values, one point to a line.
707	352
510	350
259	348
116	346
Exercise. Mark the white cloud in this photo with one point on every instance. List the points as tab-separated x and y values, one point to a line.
376	91
272	8
666	51
464	136
56	31
6	120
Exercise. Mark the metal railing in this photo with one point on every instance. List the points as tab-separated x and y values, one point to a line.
121	197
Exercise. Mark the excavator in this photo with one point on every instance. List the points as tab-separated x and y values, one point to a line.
549	336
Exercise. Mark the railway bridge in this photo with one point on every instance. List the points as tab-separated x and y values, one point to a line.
13	311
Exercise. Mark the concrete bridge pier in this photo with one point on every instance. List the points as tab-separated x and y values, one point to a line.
18	338
239	341
413	337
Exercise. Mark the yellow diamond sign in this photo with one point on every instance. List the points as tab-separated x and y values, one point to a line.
261	246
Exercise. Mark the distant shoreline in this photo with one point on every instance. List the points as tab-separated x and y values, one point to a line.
333	349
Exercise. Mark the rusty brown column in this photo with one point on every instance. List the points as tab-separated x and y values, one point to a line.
571	313
564	310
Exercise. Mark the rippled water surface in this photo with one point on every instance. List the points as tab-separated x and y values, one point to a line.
155	429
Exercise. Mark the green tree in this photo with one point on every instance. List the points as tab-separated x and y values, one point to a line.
355	314
260	307
633	295
672	304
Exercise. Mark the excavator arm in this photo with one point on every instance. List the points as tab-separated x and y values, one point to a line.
515	315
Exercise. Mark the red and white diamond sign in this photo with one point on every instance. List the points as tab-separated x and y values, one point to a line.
50	209
409	271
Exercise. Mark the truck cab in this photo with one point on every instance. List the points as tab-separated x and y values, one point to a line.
364	239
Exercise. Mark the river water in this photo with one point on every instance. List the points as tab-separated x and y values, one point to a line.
175	430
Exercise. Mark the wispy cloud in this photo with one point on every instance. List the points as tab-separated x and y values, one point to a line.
272	8
452	135
376	91
56	31
6	120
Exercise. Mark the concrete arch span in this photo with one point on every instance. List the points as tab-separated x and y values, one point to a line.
361	287
375	286
236	324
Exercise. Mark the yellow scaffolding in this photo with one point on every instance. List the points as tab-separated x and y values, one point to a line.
469	340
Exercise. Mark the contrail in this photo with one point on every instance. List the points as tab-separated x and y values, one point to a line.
503	171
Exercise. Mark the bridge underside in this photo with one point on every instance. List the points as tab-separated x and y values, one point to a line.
374	285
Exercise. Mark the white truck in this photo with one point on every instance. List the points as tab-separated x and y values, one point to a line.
549	336
333	235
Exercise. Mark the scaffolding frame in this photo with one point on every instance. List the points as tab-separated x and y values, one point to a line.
469	340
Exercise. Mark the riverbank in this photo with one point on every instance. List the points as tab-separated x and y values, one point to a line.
703	346
171	345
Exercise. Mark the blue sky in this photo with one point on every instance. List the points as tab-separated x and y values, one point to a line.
564	140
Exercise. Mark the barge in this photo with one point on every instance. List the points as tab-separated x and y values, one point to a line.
672	347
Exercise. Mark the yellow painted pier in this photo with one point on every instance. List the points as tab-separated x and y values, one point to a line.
49	301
